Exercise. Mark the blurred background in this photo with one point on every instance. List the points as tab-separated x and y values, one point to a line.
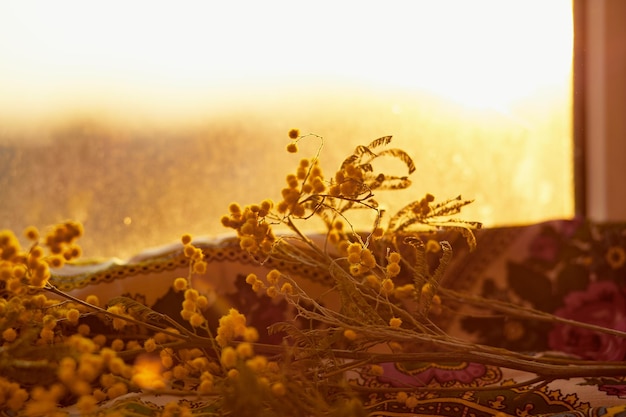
145	119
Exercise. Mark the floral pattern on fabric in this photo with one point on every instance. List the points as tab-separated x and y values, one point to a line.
574	269
467	394
603	303
450	374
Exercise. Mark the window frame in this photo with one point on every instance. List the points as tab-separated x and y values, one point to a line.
599	128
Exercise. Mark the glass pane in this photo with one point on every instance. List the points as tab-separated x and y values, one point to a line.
144	120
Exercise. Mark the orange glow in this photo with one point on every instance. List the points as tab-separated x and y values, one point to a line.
148	372
171	59
141	107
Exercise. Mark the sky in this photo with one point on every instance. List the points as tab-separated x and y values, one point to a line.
477	92
169	57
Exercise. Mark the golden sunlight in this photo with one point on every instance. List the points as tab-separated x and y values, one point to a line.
148	372
116	113
169	58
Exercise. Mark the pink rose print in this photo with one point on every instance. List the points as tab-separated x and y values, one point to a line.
425	373
545	247
602	304
618	390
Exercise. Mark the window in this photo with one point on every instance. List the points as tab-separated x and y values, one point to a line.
601	99
144	120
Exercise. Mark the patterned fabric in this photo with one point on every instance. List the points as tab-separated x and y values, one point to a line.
572	268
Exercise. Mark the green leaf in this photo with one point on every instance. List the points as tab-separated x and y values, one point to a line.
401	155
380	142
